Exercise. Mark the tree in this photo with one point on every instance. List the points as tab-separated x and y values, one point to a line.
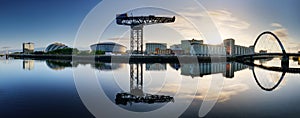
65	51
98	52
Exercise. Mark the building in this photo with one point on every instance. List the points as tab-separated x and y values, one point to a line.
208	50
151	48
55	46
163	52
176	49
187	44
109	48
227	48
251	49
241	50
28	48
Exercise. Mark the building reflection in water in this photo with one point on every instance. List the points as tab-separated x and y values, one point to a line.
28	64
106	66
136	93
156	67
202	69
62	64
58	64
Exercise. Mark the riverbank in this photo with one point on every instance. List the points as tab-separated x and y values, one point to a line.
127	58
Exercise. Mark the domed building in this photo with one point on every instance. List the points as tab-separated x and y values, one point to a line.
109	47
55	46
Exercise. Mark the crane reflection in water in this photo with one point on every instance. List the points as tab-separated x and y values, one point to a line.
267	82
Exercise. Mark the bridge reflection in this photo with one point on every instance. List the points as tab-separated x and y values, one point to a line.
136	93
283	69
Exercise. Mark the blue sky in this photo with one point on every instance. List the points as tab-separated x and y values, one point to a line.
41	21
47	21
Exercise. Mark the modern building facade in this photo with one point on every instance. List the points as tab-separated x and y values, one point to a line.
208	50
187	44
55	46
227	48
28	48
109	47
152	48
176	49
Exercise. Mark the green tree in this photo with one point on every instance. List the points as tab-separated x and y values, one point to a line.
65	51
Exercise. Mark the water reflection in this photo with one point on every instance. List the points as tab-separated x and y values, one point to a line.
58	64
202	69
297	59
28	64
137	94
106	66
136	71
175	66
156	67
227	69
63	64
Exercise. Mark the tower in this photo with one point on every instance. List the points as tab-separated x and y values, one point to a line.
137	24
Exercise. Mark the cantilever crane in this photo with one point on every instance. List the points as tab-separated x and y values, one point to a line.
137	24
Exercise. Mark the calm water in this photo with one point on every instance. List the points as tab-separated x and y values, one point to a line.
35	88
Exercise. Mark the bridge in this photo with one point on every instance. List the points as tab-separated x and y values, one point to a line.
262	55
248	59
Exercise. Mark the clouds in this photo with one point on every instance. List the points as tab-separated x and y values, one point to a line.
231	26
225	19
210	24
282	33
276	25
279	30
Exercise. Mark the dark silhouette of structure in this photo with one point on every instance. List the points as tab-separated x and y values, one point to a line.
137	24
285	56
282	69
125	98
136	94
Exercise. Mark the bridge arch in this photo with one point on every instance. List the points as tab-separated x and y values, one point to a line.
278	40
264	88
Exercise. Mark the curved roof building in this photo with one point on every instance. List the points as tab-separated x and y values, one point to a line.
55	46
109	47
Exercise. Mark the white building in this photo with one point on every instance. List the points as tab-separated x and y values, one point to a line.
28	48
55	46
228	48
208	50
109	48
187	44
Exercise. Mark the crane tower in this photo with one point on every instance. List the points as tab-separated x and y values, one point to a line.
137	24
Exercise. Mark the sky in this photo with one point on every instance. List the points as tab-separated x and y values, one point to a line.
46	21
41	21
